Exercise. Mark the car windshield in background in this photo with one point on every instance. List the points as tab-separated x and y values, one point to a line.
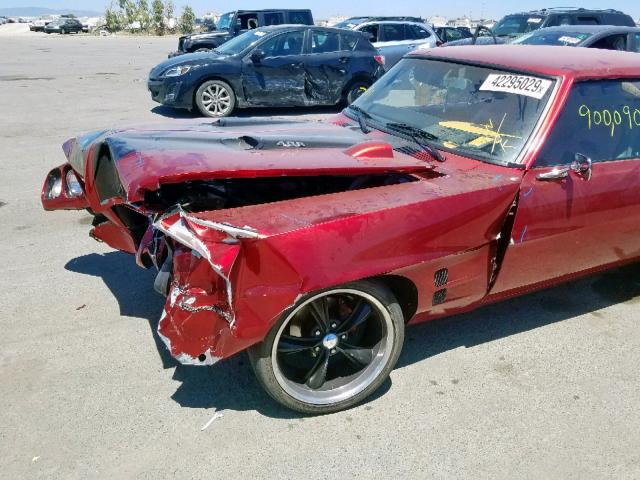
350	22
481	112
240	43
224	21
554	37
516	25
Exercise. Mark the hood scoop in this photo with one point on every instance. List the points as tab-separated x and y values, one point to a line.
292	142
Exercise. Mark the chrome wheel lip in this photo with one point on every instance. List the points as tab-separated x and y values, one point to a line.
361	381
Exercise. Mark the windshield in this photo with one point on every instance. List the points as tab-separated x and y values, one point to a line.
224	21
516	25
478	112
555	37
242	42
351	22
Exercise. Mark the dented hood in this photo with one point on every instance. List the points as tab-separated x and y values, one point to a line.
145	158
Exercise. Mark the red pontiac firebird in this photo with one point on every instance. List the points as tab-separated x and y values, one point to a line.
463	176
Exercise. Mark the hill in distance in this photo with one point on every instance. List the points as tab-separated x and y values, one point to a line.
42	11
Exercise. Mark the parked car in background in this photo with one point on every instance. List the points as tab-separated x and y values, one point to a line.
277	66
450	34
38	24
64	25
590	36
513	26
232	24
394	38
353	22
465	176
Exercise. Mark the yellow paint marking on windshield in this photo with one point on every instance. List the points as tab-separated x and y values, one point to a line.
487	133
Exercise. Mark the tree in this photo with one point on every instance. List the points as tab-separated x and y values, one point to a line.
143	15
187	20
129	12
111	19
157	17
169	9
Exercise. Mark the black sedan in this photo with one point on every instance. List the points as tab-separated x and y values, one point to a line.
592	36
277	66
64	25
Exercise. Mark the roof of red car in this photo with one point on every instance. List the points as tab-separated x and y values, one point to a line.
549	60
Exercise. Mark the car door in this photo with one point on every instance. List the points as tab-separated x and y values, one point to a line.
327	67
273	73
568	222
392	43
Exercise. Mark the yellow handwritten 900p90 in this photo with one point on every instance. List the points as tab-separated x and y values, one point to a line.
611	118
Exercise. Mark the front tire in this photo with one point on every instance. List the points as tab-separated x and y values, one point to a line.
215	98
63	31
332	349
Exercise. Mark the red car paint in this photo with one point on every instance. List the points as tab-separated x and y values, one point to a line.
235	270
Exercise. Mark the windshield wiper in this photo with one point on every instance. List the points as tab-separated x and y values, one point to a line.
360	116
419	136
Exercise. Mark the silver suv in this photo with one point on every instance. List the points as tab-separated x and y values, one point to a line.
394	39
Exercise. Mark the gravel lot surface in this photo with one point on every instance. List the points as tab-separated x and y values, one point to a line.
545	386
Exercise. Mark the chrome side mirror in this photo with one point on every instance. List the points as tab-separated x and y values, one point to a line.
582	166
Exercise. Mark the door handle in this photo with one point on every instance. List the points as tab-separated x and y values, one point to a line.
552	175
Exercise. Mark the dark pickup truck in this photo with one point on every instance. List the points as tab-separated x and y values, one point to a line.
232	24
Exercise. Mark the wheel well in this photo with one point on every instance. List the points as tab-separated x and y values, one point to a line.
207	79
404	290
360	77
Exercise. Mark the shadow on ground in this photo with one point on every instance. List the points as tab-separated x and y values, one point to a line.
249	112
231	385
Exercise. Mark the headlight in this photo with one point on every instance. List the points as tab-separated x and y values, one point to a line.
177	71
56	187
73	185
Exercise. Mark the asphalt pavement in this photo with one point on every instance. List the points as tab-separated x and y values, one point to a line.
544	386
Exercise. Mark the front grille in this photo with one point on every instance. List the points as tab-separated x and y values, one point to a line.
441	277
440	296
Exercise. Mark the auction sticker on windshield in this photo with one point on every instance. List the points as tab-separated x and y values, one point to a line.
518	84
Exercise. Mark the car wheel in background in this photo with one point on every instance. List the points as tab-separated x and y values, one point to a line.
63	31
332	349
355	90
215	98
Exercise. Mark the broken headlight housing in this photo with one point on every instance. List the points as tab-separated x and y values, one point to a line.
177	71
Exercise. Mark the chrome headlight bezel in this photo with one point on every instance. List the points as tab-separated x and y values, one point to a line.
176	71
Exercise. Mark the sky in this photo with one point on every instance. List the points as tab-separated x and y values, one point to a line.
325	8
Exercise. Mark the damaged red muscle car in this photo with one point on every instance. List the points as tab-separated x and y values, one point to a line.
463	176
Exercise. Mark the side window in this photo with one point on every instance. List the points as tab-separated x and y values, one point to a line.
392	32
348	42
637	43
454	34
324	42
302	18
373	30
247	21
559	20
612	42
587	21
601	120
416	32
273	18
282	45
